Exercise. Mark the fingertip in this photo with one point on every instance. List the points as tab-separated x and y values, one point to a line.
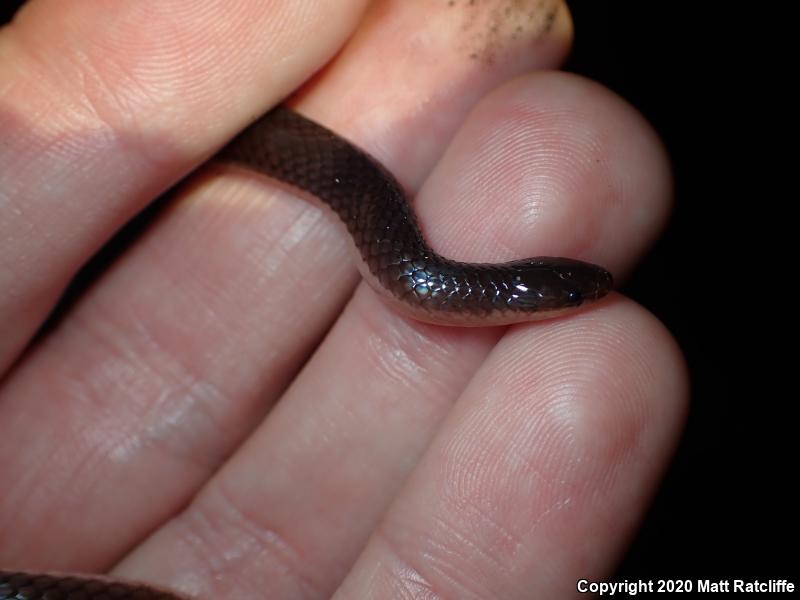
550	164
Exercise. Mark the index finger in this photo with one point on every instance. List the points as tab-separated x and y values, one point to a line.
104	105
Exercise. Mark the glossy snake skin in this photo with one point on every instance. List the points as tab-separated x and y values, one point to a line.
396	260
28	586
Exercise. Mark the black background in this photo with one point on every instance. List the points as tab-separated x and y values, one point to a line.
727	508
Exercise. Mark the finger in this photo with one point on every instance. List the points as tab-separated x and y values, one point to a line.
348	432
540	473
563	166
403	85
103	105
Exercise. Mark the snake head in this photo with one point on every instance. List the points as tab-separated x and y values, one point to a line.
553	283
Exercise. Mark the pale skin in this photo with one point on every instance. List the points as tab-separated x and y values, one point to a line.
210	418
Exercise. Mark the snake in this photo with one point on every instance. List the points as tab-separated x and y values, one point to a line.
394	259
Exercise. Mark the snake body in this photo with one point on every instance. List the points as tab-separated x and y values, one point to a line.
395	259
35	586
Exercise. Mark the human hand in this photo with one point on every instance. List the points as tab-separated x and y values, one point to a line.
188	422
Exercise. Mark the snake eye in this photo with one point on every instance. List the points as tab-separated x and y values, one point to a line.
574	297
